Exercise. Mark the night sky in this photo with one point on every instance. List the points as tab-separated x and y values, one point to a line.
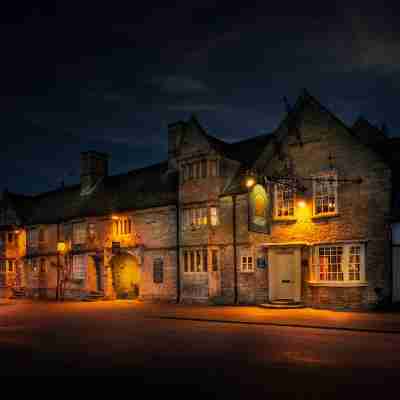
110	77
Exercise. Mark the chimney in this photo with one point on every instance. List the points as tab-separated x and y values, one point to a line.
175	134
94	167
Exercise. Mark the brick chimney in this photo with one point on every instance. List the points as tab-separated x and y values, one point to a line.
94	167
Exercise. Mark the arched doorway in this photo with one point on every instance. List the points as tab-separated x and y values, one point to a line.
125	276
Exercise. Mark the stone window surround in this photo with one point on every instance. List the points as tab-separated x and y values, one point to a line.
346	245
246	261
79	266
199	168
325	175
277	188
207	219
196	251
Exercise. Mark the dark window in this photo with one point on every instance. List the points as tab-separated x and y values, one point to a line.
10	238
125	227
2	266
191	261
42	265
190	171
214	257
41	235
129	226
10	266
205	260
204	168
186	261
158	270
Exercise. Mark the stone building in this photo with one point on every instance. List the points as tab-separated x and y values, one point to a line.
311	224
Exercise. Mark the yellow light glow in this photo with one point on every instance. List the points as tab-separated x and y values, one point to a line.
301	203
61	247
250	182
114	217
16	232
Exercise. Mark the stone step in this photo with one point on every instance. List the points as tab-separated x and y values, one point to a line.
280	305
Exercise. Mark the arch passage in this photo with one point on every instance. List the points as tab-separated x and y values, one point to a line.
126	276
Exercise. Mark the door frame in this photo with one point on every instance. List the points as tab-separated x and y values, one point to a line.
273	252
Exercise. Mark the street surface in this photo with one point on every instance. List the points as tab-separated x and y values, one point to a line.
225	350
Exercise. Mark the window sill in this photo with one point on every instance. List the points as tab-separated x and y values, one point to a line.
247	272
288	220
324	216
338	284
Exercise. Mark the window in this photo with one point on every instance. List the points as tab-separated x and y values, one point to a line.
190	171
10	237
79	267
186	261
92	230
354	263
213	216
213	168
34	265
2	239
122	226
340	263
195	260
2	266
79	233
158	270
42	267
33	237
214	260
247	264
204	168
284	201
194	217
205	260
10	266
41	235
325	194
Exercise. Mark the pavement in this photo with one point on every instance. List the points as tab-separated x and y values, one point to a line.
378	322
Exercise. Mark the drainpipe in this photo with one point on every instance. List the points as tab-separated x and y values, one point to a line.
58	264
235	280
178	255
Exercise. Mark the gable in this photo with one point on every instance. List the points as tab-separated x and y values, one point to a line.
193	141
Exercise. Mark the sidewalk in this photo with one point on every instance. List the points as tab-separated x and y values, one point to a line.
306	317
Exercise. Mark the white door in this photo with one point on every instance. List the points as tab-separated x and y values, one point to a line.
285	268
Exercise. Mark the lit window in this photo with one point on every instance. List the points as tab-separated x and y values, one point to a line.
213	216
325	194
284	201
338	263
79	267
198	261
204	216
79	233
247	264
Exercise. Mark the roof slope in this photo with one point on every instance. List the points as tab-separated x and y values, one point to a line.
148	187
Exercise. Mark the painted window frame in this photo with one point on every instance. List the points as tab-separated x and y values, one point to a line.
330	176
347	259
247	262
79	267
281	188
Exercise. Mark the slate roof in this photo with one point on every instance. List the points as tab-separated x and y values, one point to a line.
153	186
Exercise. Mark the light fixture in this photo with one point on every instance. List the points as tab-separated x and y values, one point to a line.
61	246
250	182
114	217
301	203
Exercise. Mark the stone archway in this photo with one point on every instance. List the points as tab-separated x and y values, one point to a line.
125	276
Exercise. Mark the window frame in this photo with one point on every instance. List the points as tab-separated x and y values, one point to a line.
79	270
79	236
345	264
245	264
325	176
33	237
278	187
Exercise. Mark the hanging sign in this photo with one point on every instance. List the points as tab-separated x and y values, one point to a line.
260	209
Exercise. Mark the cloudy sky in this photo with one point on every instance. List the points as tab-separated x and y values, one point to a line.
84	76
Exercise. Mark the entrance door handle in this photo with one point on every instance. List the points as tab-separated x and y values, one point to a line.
285	281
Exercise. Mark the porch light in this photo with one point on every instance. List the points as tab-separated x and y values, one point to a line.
250	180
61	246
301	203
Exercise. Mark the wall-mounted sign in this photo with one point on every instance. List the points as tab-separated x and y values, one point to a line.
261	262
260	209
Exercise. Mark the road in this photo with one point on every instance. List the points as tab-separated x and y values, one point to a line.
124	339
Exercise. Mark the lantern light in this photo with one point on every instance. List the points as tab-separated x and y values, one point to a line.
61	246
301	203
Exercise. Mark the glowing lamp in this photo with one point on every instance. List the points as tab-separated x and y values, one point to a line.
61	247
250	182
301	203
114	217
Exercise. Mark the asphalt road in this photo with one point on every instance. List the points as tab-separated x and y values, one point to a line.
120	339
